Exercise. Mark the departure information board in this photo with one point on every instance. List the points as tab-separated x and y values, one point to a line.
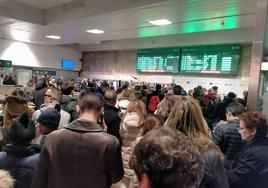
220	59
163	60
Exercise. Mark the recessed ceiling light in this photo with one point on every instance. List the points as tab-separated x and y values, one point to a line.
95	31
160	22
53	36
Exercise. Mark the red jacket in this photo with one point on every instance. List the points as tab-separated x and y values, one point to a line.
208	97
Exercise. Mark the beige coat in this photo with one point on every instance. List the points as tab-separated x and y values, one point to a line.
130	132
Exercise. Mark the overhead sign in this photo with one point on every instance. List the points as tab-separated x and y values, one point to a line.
164	60
5	63
220	59
44	72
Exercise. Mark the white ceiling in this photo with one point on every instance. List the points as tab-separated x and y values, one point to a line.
44	4
120	19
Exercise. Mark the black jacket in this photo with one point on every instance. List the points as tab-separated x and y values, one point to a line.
20	161
68	104
220	112
214	176
112	121
250	167
227	137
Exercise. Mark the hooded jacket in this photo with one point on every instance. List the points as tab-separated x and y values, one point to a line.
20	161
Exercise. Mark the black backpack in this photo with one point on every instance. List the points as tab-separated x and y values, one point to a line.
70	107
212	103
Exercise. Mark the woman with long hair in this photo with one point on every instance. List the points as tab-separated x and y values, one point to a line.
165	106
186	117
131	130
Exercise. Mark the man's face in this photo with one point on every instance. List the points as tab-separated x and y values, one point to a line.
49	98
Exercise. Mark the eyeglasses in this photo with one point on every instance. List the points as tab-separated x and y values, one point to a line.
241	128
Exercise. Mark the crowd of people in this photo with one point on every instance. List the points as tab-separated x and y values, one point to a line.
135	136
8	79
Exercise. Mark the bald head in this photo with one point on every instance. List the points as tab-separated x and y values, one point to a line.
110	96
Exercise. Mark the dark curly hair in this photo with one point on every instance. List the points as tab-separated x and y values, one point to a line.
255	120
168	158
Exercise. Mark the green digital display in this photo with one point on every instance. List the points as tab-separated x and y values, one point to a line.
162	60
5	63
220	59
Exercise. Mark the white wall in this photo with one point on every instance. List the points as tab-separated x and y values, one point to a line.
33	55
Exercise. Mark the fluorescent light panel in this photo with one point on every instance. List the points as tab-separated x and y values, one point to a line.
53	36
95	31
160	22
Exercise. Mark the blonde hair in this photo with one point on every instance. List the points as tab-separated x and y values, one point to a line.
136	105
186	116
6	181
126	94
165	106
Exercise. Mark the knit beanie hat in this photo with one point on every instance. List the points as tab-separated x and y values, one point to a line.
22	130
50	117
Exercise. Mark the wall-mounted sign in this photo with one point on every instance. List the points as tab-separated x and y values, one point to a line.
5	63
164	60
220	59
44	72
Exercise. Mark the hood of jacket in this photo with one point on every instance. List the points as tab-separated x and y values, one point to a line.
21	151
66	98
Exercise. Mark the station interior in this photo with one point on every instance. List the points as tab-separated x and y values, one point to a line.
189	43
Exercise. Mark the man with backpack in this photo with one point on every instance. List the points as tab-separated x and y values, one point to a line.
154	99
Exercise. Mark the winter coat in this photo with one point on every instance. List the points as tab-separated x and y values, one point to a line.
68	104
219	111
214	175
130	132
112	120
20	161
250	167
82	155
227	137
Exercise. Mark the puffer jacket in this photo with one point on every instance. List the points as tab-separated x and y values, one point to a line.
20	161
130	132
227	137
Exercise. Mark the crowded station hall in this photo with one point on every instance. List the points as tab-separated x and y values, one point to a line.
133	94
